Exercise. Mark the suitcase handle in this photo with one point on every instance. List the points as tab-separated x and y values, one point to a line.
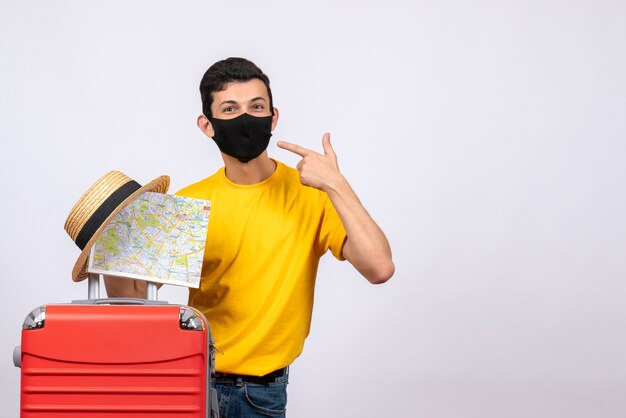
93	290
120	301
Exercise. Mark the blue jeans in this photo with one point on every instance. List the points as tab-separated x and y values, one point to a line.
250	400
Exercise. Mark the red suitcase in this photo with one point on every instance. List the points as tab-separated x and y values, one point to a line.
116	358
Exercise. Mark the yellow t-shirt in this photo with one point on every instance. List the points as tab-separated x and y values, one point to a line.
262	251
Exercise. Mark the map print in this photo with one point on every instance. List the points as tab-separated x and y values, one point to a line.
157	237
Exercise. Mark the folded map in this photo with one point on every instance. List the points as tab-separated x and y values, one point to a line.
157	237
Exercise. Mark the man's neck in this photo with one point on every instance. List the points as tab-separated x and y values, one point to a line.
252	172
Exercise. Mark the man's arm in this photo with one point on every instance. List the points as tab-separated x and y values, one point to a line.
366	246
118	287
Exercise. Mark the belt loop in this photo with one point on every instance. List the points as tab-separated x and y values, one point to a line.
239	381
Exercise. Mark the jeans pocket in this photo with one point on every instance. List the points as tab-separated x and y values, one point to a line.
270	400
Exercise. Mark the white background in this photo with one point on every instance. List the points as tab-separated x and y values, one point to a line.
487	138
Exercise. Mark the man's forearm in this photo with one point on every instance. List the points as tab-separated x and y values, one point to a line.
118	287
366	247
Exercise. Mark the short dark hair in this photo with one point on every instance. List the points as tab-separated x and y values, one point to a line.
227	71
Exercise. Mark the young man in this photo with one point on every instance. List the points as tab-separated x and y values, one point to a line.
269	226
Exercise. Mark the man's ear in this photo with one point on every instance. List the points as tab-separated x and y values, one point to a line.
275	118
205	126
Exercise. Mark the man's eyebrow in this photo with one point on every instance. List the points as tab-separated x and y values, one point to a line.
232	102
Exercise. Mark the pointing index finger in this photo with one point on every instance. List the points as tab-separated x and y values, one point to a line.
296	149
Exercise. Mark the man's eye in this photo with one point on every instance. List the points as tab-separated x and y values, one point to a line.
258	107
228	109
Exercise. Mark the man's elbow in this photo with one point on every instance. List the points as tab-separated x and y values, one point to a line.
381	274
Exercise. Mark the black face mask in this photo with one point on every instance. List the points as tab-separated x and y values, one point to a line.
244	137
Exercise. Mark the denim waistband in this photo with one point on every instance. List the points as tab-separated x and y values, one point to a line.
268	378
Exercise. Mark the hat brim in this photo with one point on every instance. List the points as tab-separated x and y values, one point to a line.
158	185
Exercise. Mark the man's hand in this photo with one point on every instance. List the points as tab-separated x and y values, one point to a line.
316	170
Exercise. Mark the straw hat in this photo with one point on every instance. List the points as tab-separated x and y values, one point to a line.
98	206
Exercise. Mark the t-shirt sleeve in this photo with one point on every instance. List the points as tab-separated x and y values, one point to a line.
332	234
194	191
184	192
